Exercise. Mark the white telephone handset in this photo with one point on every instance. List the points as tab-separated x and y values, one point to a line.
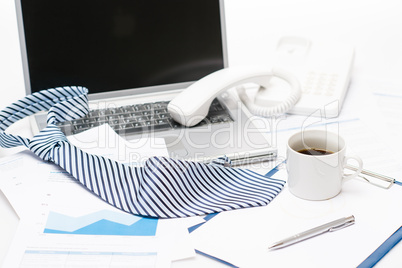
322	69
192	105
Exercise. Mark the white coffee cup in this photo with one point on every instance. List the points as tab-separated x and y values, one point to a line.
317	177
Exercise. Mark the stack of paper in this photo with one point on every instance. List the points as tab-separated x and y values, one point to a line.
62	224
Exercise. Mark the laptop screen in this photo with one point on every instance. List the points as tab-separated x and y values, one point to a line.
112	45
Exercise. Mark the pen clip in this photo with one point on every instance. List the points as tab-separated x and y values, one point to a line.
349	221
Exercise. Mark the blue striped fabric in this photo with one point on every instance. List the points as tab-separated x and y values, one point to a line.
163	187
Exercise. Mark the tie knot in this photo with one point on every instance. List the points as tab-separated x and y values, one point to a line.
43	143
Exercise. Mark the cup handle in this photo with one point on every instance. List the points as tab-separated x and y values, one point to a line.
358	170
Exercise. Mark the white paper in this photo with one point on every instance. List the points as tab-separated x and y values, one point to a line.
242	237
104	141
65	225
70	221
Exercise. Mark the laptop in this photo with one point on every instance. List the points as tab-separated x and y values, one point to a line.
135	56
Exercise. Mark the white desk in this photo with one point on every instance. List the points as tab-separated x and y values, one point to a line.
252	28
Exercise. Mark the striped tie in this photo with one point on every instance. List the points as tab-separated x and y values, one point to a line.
163	187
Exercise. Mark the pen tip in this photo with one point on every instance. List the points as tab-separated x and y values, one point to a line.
274	246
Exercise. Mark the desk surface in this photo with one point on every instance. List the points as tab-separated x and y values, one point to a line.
252	30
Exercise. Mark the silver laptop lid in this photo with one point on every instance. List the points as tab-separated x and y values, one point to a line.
119	48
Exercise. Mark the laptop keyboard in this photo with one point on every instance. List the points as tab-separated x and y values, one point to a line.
140	118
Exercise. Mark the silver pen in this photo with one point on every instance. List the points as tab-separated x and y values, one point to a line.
328	227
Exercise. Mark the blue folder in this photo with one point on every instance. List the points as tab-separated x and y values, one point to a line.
382	250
